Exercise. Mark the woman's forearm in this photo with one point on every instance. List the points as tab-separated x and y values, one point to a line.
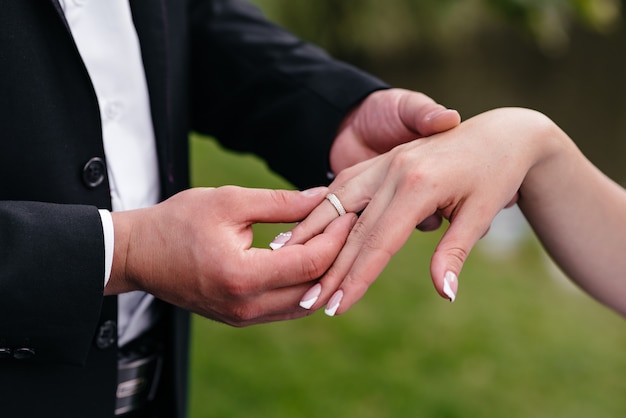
578	214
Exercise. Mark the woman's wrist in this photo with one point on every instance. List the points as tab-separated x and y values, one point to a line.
553	157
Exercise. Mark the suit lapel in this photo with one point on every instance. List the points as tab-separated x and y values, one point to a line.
57	6
59	10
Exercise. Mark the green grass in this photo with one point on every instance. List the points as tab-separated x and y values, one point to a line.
516	343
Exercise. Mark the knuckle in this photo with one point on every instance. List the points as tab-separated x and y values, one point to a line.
376	243
236	287
400	160
228	191
417	180
412	173
358	286
372	241
240	315
359	233
313	265
238	311
234	290
280	197
342	177
458	255
414	178
224	196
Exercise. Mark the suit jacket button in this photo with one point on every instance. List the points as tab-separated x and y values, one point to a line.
94	172
23	353
107	335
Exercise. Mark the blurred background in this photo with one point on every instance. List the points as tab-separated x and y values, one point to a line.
520	341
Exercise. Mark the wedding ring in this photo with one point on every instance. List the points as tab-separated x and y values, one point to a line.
334	200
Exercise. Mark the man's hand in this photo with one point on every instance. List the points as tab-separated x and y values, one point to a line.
385	119
194	251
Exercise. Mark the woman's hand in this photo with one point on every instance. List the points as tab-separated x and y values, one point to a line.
384	120
466	175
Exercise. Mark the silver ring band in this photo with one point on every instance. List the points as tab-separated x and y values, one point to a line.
334	200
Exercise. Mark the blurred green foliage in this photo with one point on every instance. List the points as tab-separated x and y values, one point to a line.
354	27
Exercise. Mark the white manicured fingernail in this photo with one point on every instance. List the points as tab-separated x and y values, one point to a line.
310	297
450	285
333	303
280	240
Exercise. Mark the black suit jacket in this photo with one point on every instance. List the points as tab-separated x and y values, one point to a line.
213	66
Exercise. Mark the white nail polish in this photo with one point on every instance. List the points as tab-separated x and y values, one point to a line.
280	240
310	297
333	303
449	285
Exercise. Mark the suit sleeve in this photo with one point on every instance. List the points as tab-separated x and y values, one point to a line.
56	274
258	88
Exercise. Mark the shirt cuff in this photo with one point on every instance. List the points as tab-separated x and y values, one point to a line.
109	241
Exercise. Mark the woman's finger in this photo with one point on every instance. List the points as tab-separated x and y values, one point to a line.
470	224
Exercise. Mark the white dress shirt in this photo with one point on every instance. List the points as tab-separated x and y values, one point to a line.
106	39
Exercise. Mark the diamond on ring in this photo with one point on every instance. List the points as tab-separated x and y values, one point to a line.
334	200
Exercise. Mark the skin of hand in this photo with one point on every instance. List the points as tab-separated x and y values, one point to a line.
466	175
385	119
194	250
